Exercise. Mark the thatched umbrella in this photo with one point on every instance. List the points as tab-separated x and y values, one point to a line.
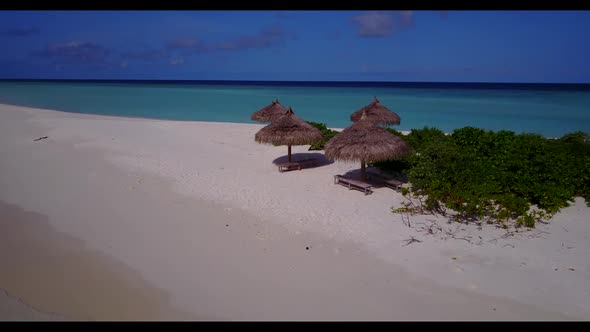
377	113
363	141
269	113
289	130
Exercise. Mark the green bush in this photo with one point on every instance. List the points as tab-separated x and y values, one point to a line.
578	137
326	133
496	175
395	132
422	137
417	138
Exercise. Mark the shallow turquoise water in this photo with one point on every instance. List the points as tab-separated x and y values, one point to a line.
550	113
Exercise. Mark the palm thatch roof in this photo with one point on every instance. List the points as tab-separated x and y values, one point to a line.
363	141
289	129
270	112
377	113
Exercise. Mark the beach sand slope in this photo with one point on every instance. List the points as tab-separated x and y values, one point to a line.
120	219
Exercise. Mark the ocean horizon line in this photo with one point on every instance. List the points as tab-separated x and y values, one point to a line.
317	83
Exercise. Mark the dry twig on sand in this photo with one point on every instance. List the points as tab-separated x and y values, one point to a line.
406	219
410	241
431	229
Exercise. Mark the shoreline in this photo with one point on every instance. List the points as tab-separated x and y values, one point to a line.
404	132
114	117
181	203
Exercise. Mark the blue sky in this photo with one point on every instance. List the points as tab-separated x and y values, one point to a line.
448	46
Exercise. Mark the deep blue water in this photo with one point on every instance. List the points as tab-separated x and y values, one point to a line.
548	109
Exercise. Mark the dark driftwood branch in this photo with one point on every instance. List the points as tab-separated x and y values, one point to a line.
40	138
410	241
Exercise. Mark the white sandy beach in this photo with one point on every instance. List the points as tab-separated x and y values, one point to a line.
113	218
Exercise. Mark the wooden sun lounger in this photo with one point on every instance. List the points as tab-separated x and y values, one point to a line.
299	165
353	184
388	182
289	166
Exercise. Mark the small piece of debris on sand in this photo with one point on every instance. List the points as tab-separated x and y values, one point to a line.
40	138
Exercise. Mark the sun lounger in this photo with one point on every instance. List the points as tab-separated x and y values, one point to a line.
289	166
299	165
353	184
388	182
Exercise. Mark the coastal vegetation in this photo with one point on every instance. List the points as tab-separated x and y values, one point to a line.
497	177
327	134
485	176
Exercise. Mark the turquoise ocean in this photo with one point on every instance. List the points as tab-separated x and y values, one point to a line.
547	109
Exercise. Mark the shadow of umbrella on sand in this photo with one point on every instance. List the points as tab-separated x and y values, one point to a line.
319	158
288	130
377	113
270	112
363	141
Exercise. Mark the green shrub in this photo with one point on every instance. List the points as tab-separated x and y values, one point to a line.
496	175
577	137
422	137
395	132
417	138
327	134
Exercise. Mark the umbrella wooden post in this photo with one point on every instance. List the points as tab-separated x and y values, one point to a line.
289	147
363	171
